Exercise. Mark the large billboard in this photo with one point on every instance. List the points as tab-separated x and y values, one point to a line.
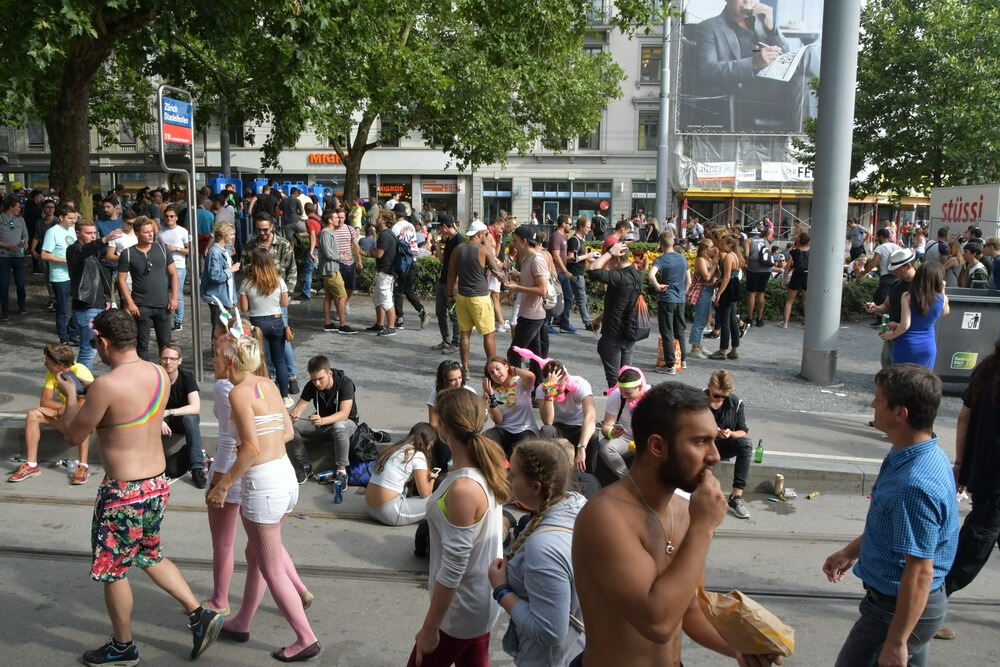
745	66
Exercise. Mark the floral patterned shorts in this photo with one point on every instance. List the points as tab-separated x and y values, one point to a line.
126	527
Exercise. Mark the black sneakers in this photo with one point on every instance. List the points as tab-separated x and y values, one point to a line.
204	631
293	386
738	507
424	316
198	477
113	653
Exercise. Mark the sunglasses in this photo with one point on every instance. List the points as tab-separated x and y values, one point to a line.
170	358
716	396
263	230
149	267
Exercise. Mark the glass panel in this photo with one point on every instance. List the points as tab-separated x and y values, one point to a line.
650	62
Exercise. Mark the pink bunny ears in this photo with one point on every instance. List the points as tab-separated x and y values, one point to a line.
571	385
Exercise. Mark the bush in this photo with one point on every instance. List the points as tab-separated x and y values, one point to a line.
428	270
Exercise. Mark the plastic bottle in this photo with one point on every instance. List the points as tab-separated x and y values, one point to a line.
758	454
884	328
338	495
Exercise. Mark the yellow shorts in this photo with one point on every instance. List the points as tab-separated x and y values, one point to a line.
475	311
334	286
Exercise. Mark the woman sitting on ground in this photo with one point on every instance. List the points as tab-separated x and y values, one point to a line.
507	392
399	466
449	376
616	429
534	584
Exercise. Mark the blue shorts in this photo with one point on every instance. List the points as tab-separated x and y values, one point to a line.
350	275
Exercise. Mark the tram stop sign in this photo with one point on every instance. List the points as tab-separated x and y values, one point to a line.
176	122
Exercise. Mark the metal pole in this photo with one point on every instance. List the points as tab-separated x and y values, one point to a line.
838	78
193	258
663	131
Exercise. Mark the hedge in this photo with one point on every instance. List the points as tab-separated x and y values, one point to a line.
855	294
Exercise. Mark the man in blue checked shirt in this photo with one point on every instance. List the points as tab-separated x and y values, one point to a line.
911	532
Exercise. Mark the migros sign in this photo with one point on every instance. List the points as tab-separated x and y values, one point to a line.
324	158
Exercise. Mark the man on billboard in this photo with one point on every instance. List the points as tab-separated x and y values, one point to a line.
741	53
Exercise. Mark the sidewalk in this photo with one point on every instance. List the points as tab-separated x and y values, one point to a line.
815	436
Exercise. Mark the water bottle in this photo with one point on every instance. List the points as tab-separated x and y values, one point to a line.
338	495
758	454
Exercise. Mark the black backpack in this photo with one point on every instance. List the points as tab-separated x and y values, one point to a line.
764	256
363	444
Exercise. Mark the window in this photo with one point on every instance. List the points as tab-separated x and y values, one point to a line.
590	142
237	133
597	13
643	197
389	134
593	50
650	62
551	143
649	130
36	136
126	137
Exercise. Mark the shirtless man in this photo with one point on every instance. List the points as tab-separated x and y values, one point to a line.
639	551
125	406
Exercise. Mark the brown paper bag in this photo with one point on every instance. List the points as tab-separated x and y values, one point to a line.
745	625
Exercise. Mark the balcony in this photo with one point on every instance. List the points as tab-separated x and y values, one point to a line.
599	15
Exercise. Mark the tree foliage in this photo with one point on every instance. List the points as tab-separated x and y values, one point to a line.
928	90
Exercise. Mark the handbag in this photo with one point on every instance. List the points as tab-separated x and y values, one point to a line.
694	291
289	334
638	325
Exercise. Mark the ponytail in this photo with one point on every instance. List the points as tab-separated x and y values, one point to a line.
461	414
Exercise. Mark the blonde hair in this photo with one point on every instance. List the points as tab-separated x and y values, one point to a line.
543	461
221	229
722	380
461	413
60	354
245	352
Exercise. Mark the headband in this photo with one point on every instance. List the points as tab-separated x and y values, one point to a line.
641	382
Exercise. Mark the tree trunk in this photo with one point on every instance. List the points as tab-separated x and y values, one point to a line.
352	178
68	126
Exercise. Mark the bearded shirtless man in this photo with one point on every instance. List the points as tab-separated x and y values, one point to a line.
125	406
639	550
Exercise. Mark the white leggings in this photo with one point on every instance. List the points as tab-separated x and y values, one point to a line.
399	511
612	453
270	491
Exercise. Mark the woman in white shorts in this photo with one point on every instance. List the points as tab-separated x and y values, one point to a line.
616	430
269	492
399	466
222	521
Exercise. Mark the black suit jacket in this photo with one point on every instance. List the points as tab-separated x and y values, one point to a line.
722	69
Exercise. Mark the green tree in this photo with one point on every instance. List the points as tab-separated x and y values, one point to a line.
928	90
480	79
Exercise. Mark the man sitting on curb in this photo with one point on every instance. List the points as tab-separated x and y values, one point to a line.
331	394
731	439
51	408
181	416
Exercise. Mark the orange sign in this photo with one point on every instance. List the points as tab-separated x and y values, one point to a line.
324	158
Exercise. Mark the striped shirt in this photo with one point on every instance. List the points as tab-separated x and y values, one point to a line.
913	512
346	235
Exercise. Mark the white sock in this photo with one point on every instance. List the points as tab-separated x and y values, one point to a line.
82	465
32	464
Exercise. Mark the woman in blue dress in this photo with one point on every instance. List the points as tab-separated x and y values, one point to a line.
921	307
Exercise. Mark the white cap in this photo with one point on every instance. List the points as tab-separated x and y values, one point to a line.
476	226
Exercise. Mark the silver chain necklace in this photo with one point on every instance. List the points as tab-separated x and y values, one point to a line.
669	548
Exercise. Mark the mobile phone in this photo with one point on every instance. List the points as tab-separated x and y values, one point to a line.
70	375
435	471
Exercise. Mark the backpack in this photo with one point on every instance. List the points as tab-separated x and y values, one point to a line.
360	473
362	447
403	261
763	254
91	282
553	293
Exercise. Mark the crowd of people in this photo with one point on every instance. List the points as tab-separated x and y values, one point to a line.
579	551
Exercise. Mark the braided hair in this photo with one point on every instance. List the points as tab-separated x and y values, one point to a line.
542	461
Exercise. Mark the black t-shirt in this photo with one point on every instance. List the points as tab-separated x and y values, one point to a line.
291	209
179	390
150	282
896	292
981	458
328	402
623	288
730	414
387	243
449	246
265	204
800	261
576	245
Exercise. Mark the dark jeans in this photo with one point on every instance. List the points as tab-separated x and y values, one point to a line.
445	315
190	427
728	320
979	534
7	265
527	334
864	643
405	285
562	319
670	317
61	291
160	319
615	353
506	439
572	433
742	449
273	328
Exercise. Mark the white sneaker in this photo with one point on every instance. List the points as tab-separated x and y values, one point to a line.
289	402
347	308
503	328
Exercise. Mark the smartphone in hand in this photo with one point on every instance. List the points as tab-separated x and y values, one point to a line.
71	376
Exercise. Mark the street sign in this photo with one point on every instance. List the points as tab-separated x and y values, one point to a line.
175	121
